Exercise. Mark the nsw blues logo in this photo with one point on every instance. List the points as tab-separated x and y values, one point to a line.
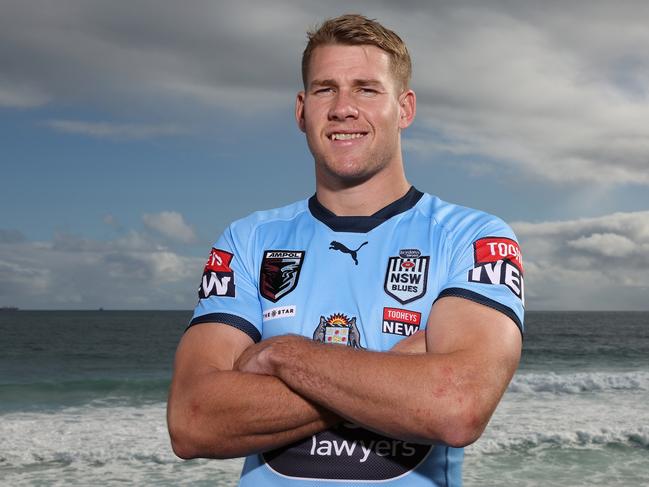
406	276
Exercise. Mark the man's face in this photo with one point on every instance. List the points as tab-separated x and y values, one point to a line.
352	112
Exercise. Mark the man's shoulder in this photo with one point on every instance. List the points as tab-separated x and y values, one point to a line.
458	219
281	214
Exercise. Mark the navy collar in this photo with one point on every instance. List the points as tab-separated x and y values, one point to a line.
363	224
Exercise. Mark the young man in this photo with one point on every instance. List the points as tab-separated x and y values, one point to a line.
364	335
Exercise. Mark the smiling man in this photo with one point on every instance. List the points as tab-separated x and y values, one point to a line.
374	367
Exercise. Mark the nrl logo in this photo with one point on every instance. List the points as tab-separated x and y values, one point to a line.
339	329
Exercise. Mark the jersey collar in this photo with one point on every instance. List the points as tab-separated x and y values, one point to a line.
363	224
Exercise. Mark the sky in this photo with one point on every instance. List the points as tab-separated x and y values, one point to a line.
132	133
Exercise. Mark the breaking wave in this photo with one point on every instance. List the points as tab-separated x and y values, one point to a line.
597	437
580	382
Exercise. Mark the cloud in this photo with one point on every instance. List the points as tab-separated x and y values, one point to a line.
20	97
129	272
114	130
11	236
171	224
605	244
591	263
541	92
556	93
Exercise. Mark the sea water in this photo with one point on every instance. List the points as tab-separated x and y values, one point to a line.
82	402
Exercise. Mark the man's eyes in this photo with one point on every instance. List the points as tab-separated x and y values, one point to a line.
323	91
368	91
362	90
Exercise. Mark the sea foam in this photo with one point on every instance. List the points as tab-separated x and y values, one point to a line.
580	382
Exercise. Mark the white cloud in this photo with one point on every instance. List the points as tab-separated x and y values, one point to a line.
557	92
606	244
535	92
114	130
171	224
591	263
132	271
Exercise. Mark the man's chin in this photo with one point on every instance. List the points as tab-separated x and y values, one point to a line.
345	176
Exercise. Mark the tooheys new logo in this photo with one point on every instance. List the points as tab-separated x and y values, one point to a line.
498	260
347	453
218	277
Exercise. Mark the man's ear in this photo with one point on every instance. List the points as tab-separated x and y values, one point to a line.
407	108
299	111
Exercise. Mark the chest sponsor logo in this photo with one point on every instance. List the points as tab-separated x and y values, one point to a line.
347	453
280	312
218	276
400	321
280	272
406	276
498	260
338	329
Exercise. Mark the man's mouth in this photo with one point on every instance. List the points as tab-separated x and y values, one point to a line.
346	136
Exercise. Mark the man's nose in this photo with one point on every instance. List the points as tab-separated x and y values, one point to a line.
343	106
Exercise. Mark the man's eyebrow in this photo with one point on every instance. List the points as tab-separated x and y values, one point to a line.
355	82
367	82
323	82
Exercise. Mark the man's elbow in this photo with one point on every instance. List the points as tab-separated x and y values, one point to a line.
457	429
462	433
190	440
182	448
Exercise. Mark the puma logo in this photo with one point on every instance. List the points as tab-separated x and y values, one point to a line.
338	246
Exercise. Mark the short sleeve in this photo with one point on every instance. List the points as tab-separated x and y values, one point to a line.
486	266
227	292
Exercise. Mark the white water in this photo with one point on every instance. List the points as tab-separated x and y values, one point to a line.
572	429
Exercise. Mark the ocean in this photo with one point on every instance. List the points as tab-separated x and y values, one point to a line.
82	402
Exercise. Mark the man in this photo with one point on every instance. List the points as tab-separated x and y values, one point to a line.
365	335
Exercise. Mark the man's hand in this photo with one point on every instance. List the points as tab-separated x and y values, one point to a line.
453	374
415	343
257	359
215	411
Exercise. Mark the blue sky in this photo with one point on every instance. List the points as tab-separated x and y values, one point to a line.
132	134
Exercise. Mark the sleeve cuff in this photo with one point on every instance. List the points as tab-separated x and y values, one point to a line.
459	292
228	319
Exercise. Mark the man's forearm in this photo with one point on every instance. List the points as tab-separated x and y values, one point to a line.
382	391
225	414
414	397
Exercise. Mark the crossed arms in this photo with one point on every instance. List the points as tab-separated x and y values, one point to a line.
230	397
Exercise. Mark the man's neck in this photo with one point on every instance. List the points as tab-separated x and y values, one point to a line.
364	198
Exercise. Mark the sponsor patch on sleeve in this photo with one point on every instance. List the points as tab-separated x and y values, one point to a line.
218	276
498	260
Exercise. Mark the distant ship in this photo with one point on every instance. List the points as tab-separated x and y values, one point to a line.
8	308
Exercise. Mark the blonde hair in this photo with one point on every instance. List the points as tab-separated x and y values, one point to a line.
353	30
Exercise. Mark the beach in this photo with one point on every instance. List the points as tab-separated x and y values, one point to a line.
82	402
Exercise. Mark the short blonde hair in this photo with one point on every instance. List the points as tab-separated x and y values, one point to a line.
353	30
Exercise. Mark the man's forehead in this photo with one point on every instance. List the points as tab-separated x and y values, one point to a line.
331	61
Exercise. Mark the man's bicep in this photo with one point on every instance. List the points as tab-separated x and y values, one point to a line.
208	347
460	325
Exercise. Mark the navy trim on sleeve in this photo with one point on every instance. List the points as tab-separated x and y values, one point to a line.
479	298
227	319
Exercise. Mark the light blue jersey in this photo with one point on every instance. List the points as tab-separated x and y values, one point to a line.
362	282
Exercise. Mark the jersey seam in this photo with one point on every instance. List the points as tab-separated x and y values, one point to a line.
257	226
